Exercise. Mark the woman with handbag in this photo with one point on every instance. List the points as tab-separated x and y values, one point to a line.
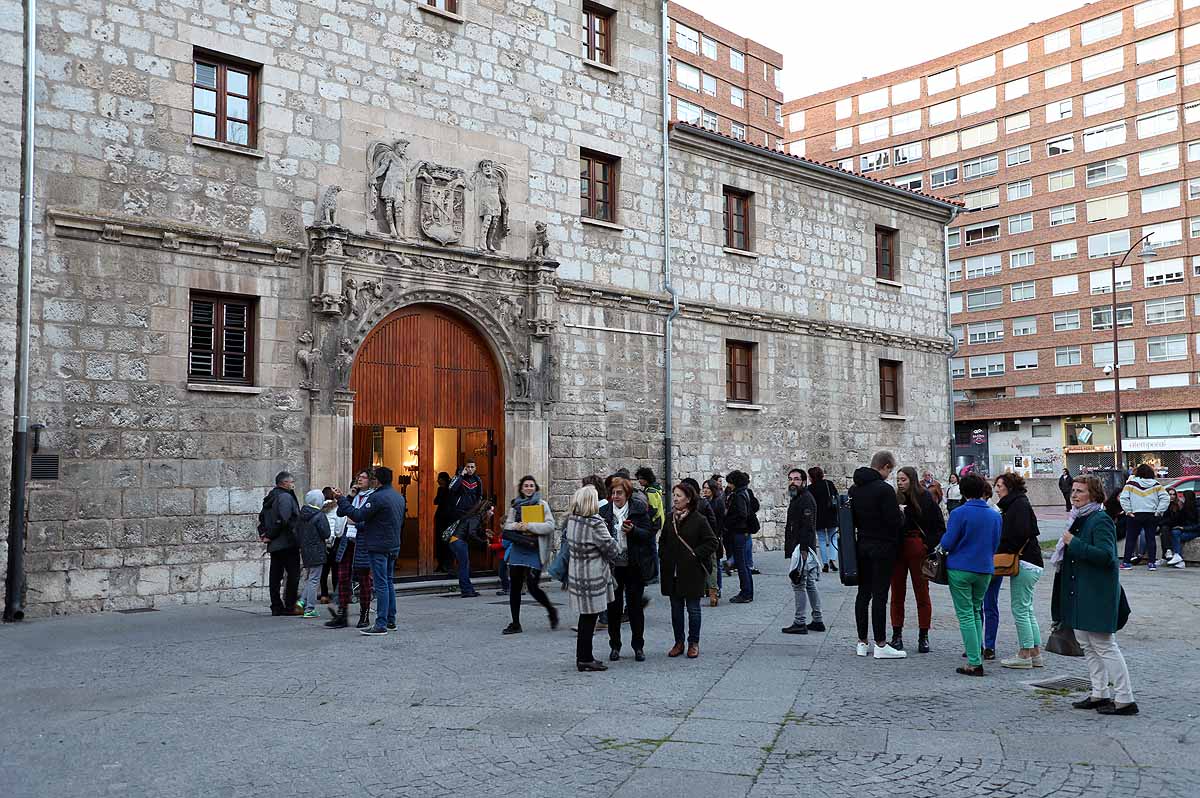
923	527
528	550
970	545
627	514
589	577
1090	600
1019	557
685	549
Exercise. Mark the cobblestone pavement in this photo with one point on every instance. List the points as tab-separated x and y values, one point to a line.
228	701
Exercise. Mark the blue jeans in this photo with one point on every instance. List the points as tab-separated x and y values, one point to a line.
827	540
991	613
1179	536
462	556
383	566
693	613
742	546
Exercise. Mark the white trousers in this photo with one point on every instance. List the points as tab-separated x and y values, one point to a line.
1106	663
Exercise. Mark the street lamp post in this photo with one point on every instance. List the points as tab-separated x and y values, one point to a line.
1146	254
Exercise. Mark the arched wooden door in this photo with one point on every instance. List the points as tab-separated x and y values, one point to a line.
428	396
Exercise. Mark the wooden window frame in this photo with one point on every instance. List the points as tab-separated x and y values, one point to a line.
449	6
589	165
223	64
220	302
736	204
891	386
737	389
593	51
887	266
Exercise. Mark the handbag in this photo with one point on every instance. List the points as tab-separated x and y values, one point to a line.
1062	641
934	568
1006	564
705	564
518	538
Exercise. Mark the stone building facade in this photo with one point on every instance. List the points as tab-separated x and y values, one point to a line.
408	160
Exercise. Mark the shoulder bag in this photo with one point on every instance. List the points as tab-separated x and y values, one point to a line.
1006	564
934	568
518	538
1062	642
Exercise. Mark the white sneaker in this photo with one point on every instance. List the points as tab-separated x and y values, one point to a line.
887	652
861	649
1175	560
1180	564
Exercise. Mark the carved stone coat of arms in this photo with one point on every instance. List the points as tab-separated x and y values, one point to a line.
441	193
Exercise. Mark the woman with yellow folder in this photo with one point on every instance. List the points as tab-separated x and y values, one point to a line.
526	533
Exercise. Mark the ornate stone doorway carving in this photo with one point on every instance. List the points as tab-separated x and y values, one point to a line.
428	394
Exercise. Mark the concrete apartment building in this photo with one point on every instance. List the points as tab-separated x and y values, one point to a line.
724	82
1067	140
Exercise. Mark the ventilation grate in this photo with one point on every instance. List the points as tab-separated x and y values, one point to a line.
1072	683
44	466
136	610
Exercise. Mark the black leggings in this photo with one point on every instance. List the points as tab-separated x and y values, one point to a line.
583	642
523	575
874	579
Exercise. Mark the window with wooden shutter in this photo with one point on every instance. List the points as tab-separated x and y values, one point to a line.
739	371
737	220
885	254
224	100
597	33
597	186
221	339
889	387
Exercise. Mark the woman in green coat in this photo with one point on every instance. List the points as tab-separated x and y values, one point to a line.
1089	597
684	550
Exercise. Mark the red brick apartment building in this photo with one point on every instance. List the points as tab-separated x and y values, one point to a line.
1068	140
723	81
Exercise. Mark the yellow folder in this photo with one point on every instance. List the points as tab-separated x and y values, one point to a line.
533	514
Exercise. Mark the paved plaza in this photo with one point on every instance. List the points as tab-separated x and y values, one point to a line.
228	701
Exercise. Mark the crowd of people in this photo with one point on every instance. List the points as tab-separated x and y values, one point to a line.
622	534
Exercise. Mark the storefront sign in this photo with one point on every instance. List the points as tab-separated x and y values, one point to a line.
1161	444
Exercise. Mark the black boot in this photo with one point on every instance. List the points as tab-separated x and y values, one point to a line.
339	621
923	642
364	618
897	638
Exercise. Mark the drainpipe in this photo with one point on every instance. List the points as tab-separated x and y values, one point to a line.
15	580
949	325
668	429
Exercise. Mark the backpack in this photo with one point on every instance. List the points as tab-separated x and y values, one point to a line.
654	500
833	494
268	519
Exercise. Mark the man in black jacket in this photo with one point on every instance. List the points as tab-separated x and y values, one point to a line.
379	522
280	512
466	491
800	538
741	522
877	520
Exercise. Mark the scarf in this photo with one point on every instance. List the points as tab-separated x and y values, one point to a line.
620	516
1060	548
521	501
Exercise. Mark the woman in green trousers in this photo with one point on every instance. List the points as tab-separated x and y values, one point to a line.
970	542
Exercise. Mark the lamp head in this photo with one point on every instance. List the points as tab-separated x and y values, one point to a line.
1148	252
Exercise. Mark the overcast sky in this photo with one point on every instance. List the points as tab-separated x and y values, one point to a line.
829	44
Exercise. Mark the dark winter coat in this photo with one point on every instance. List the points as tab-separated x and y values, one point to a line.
1019	532
1089	595
876	509
285	510
800	528
928	522
709	511
465	493
742	505
1064	485
379	521
825	494
640	551
312	531
684	573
